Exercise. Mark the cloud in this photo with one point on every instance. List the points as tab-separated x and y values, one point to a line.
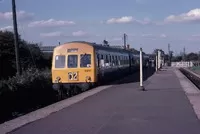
10	28
21	16
191	16
62	34
7	28
154	36
79	33
127	19
52	34
163	35
50	23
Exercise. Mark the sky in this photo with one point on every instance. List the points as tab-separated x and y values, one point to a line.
149	24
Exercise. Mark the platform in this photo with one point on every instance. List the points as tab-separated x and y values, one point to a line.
123	109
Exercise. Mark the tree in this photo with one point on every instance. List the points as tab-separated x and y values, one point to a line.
30	54
105	42
192	57
156	50
177	58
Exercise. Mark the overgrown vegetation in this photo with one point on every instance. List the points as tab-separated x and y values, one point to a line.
22	94
187	57
32	89
30	55
195	69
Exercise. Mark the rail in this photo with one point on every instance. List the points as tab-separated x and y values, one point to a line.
193	77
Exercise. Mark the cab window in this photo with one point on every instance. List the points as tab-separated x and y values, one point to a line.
72	61
85	60
60	61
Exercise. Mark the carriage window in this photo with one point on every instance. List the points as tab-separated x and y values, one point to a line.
116	60
85	60
107	60
126	60
113	62
101	57
60	61
121	60
72	61
112	58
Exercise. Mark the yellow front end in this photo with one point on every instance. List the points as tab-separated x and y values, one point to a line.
73	63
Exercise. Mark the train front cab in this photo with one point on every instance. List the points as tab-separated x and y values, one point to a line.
73	65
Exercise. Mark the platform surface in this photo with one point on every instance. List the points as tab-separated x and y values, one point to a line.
123	109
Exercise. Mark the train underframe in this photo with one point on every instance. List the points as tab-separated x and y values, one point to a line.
70	89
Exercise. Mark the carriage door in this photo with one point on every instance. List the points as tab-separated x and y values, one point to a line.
97	64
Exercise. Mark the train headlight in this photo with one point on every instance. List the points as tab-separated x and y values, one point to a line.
88	79
57	79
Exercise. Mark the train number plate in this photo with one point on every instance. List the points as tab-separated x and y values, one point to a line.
73	75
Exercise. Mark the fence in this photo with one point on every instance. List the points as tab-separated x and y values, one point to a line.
185	64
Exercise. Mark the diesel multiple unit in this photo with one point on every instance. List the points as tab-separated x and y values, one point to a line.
85	64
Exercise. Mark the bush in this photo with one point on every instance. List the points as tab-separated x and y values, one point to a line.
22	94
29	55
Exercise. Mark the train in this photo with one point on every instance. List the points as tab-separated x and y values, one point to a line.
82	65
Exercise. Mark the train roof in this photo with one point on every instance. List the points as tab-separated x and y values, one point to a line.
103	47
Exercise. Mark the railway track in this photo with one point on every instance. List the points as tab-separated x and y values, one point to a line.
194	78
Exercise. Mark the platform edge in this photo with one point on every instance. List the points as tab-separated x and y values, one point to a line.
46	111
191	91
